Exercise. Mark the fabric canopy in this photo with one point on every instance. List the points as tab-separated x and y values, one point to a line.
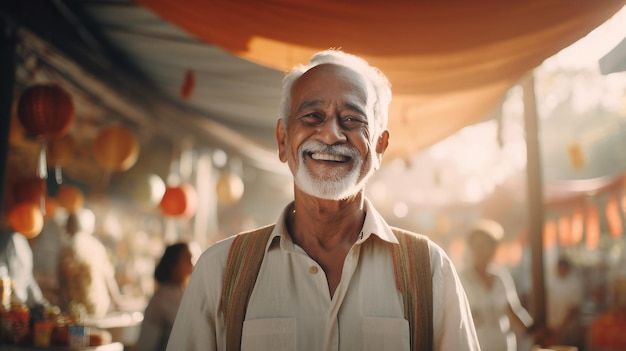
450	62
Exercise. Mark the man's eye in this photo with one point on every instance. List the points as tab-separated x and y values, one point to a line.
352	121
311	118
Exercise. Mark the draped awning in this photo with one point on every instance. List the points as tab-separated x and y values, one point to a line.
450	62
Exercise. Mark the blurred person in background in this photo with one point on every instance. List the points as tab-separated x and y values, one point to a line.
16	261
564	296
491	291
172	275
86	274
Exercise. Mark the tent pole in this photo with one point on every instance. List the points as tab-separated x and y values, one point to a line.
535	201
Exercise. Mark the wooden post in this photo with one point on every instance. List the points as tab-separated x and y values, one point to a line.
535	201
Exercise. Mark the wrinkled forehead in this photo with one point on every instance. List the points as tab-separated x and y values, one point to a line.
332	73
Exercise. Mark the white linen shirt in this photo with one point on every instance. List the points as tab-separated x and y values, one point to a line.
291	308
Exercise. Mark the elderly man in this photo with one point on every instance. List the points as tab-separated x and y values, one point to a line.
330	274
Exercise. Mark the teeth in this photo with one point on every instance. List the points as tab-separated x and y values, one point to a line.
327	157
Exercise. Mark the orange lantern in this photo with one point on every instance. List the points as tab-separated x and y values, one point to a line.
70	197
46	111
179	201
116	148
229	189
26	218
51	207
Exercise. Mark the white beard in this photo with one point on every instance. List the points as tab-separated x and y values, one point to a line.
334	186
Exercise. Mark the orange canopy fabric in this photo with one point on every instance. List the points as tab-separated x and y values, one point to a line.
450	62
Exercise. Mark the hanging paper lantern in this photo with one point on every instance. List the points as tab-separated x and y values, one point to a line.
70	197
179	201
229	189
116	148
26	218
46	111
146	190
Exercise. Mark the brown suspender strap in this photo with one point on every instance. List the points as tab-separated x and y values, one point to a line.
411	262
242	267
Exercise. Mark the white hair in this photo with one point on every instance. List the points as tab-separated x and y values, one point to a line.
377	80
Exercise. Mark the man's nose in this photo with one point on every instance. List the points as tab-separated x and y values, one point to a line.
331	132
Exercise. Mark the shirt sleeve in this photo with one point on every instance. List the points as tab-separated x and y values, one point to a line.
453	327
198	323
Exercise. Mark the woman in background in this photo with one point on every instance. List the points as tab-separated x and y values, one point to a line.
172	275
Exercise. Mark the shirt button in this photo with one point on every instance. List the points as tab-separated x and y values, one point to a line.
313	270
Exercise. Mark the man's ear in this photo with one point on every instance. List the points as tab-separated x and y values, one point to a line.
383	142
381	145
281	139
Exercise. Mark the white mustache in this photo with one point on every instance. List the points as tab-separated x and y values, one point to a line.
331	152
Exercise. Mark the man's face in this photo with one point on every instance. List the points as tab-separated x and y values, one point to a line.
328	144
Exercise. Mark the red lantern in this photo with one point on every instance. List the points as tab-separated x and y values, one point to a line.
26	218
116	148
70	197
46	111
179	201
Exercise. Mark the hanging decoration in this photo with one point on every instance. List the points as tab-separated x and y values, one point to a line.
576	156
61	153
46	111
189	85
143	189
70	197
116	148
148	190
592	226
229	188
179	201
613	217
26	218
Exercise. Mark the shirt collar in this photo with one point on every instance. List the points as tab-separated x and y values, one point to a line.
374	224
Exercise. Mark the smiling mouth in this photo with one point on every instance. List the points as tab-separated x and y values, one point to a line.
319	156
